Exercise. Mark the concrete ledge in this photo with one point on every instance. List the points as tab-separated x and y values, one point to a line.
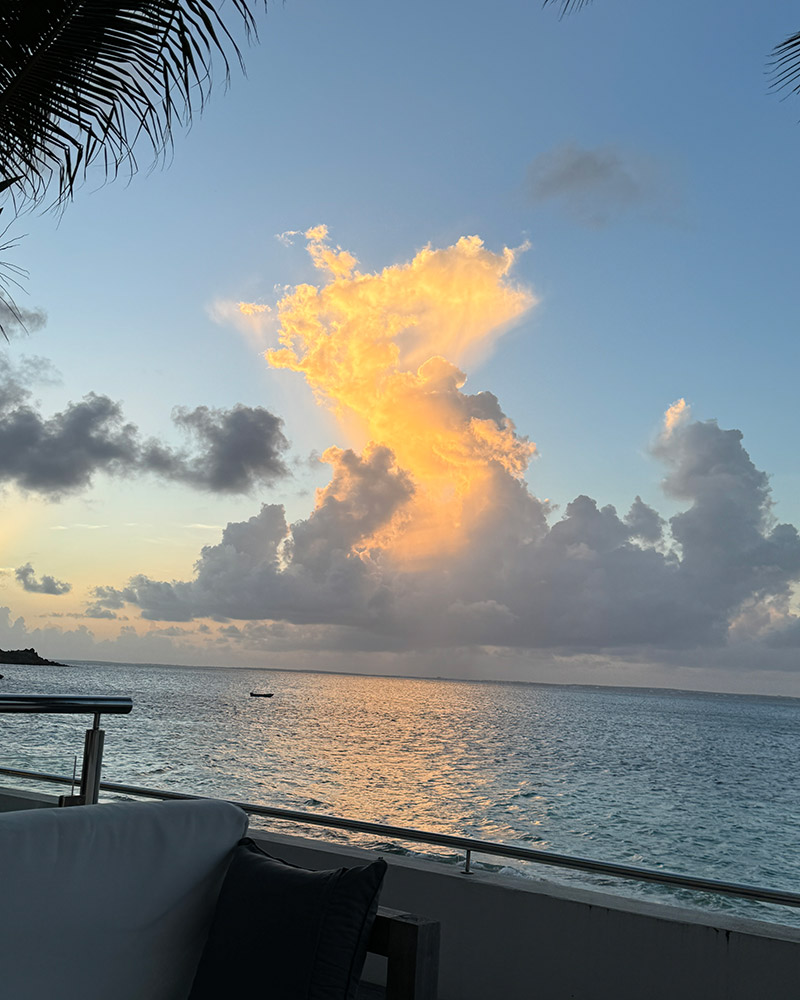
505	938
511	938
12	799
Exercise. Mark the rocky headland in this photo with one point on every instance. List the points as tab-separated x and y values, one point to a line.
26	657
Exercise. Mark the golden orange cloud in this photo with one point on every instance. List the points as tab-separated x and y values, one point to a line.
677	414
253	308
383	351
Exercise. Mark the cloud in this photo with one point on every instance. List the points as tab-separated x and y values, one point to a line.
96	611
453	302
47	584
429	538
61	453
596	186
80	643
235	450
14	322
593	581
372	347
746	667
79	526
238	449
255	320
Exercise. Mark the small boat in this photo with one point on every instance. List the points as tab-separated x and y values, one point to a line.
261	694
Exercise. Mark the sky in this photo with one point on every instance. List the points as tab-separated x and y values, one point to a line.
451	340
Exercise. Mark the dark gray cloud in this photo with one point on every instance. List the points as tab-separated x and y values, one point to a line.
261	570
94	611
46	585
235	450
238	448
596	186
54	455
362	496
644	523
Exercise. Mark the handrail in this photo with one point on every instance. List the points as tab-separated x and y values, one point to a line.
467	844
60	704
72	704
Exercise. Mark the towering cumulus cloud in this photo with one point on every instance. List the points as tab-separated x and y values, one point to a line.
382	350
427	534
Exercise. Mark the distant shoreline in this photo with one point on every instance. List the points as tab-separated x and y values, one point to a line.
576	685
26	658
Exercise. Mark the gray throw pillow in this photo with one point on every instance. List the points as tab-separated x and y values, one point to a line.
288	933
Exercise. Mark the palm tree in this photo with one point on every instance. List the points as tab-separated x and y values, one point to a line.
784	61
88	80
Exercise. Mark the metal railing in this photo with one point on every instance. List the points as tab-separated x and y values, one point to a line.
59	704
64	704
469	845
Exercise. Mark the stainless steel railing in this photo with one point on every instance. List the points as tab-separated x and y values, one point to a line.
64	704
469	845
59	704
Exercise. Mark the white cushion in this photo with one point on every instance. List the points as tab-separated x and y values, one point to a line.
110	902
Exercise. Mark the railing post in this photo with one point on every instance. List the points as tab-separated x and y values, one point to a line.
92	763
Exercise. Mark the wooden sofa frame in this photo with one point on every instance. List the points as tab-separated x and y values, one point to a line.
411	946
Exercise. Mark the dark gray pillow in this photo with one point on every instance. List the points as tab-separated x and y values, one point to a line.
287	933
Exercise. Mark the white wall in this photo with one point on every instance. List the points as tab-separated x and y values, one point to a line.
506	938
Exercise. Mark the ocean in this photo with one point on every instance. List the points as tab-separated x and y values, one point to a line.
702	784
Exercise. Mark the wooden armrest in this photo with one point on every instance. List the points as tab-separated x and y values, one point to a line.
411	946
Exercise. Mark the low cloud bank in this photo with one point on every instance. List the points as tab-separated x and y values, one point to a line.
593	581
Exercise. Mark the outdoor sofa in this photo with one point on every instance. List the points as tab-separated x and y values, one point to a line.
170	901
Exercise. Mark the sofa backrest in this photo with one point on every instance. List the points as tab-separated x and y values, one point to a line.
112	901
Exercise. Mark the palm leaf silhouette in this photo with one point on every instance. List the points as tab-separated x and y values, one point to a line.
786	64
784	60
567	6
86	80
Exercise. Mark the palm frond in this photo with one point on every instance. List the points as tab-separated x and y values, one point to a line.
567	6
784	62
9	275
82	80
785	65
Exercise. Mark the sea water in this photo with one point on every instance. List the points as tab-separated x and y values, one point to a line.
701	784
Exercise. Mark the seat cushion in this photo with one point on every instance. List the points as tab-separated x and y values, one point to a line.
113	901
286	933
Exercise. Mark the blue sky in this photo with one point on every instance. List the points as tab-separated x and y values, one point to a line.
638	152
